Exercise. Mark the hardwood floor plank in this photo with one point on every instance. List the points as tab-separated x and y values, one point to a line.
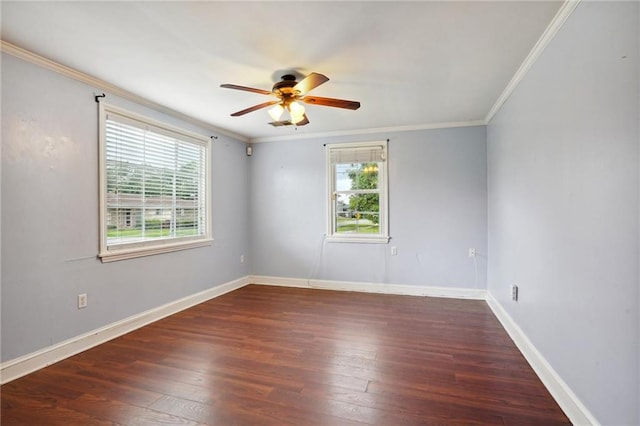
418	409
288	356
82	381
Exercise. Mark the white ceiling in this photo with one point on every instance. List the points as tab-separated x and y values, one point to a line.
408	63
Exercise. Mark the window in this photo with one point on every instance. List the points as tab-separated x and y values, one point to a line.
357	198
154	195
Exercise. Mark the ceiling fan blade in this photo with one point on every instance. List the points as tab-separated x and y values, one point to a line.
331	102
304	122
254	108
246	89
281	123
310	82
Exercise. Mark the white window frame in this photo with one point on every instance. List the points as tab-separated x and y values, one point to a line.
114	252
383	185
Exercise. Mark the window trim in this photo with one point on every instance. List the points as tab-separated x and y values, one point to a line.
147	248
381	238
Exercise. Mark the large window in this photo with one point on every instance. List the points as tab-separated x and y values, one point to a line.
154	194
357	196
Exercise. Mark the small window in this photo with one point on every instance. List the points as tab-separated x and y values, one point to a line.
154	179
357	192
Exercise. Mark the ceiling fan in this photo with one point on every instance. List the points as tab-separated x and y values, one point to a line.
290	93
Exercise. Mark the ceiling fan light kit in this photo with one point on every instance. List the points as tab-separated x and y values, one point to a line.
276	112
290	93
296	111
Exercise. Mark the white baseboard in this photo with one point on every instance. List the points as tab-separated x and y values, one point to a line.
29	363
402	289
279	281
564	396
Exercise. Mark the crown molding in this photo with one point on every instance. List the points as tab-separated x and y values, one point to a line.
102	85
393	129
549	33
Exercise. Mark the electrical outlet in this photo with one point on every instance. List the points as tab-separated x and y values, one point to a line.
82	300
242	258
514	292
394	251
472	252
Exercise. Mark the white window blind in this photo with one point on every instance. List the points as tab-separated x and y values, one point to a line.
154	183
364	154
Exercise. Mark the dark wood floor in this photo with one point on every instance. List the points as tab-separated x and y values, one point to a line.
283	356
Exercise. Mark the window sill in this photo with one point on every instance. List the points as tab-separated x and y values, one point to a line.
131	253
378	239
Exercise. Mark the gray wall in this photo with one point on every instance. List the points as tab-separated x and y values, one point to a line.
50	218
438	210
563	207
